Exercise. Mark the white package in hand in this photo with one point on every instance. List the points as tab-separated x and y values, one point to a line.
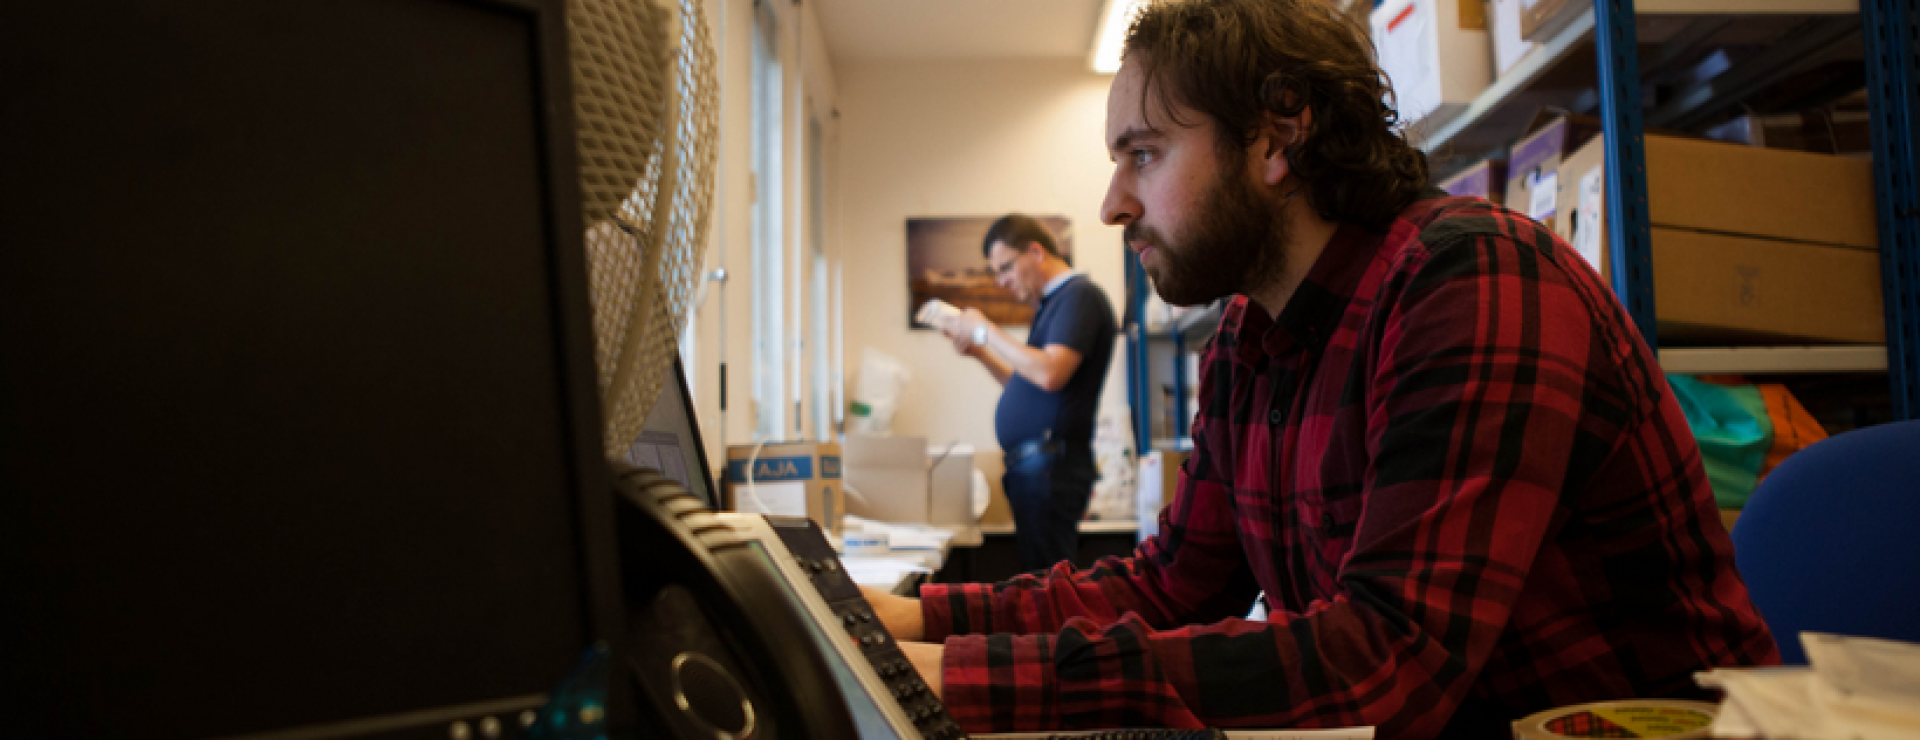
934	311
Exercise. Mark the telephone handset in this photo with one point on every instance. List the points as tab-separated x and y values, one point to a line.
743	627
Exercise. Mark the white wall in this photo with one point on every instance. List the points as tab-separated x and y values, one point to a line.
964	138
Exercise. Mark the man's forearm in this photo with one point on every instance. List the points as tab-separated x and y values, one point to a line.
1014	357
1001	372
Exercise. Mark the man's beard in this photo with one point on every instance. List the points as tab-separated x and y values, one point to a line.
1236	242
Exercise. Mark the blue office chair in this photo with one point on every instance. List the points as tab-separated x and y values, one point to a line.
1830	541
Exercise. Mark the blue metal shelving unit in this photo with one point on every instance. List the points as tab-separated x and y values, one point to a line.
1892	34
1627	223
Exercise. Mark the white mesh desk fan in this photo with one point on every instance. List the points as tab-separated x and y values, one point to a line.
646	115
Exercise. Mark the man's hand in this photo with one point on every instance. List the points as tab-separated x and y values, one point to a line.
899	614
926	658
963	344
959	329
970	319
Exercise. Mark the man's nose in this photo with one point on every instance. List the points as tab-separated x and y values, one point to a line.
1120	207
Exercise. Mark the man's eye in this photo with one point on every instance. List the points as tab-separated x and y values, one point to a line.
1141	157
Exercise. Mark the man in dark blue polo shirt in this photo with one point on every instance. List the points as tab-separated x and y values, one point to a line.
1052	385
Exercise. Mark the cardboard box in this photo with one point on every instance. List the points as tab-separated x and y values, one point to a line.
1503	26
1821	131
1485	179
992	464
1764	192
789	478
1533	164
1737	232
1581	208
902	479
1541	19
1714	288
1437	54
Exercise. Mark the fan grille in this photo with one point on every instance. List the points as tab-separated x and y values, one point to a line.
647	127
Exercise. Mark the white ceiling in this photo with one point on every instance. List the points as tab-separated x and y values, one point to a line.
902	30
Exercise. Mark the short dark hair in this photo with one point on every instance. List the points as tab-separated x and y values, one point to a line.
1017	231
1237	60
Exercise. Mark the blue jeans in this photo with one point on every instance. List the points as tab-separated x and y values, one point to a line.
1048	488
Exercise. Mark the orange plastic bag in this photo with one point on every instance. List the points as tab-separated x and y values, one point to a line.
1793	427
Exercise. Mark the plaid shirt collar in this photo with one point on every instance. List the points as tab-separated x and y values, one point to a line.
1314	311
1315	308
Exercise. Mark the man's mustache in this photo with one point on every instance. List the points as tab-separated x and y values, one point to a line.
1136	232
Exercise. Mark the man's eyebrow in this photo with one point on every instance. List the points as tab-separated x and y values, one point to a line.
1134	134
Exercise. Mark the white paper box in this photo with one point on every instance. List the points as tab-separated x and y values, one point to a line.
1436	66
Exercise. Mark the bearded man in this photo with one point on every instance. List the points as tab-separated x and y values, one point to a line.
1429	438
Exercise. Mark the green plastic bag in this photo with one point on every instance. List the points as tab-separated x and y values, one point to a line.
1734	432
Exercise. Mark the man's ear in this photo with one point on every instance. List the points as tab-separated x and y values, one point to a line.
1279	136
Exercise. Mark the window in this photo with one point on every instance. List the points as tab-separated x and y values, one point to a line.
821	393
769	263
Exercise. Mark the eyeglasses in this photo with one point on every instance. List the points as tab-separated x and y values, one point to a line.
1001	270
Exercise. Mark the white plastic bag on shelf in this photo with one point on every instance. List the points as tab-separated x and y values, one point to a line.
1113	493
877	392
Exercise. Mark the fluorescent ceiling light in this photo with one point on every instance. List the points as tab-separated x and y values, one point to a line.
1113	30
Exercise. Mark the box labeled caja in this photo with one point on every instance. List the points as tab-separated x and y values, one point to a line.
1436	53
1749	244
1485	179
789	478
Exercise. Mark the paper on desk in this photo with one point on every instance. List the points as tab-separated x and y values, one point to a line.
880	573
1855	688
900	536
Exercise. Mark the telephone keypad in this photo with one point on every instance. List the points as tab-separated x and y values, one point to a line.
817	559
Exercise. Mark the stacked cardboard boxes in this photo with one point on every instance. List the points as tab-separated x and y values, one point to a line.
1750	245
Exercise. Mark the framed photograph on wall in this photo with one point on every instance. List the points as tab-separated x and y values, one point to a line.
944	261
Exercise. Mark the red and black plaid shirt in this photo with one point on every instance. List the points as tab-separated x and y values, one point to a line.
1458	475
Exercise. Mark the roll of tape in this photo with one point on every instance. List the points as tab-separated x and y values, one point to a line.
1672	719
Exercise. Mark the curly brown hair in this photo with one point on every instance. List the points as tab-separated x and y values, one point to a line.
1237	60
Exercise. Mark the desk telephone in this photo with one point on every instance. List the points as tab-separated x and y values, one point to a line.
746	627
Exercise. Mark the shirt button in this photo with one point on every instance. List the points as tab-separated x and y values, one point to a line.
1274	417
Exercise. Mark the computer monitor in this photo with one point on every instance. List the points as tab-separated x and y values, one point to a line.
670	442
298	420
